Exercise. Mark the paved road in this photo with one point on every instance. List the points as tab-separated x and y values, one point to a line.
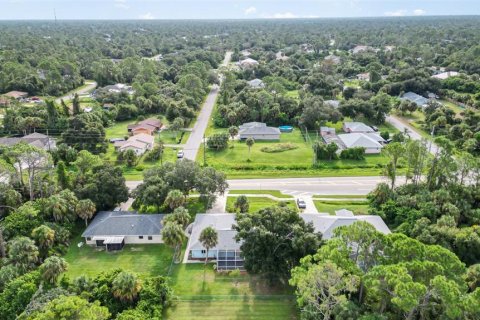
305	186
196	136
91	85
402	125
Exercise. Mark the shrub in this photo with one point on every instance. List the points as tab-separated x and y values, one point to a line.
218	141
357	153
279	147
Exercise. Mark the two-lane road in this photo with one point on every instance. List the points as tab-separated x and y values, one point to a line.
196	136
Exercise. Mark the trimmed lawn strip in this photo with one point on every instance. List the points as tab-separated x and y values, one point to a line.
258	203
274	193
339	196
143	259
331	206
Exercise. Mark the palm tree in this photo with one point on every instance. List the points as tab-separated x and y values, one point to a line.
173	236
85	209
180	215
52	268
249	142
209	239
58	207
44	236
23	254
233	131
126	286
175	199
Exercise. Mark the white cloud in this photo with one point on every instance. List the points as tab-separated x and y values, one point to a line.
284	15
250	10
146	16
122	4
419	12
397	13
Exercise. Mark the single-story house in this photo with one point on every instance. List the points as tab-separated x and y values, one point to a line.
353	140
364	76
148	126
362	48
416	98
326	223
445	75
35	139
245	53
113	229
256	84
248	63
354	127
139	143
115	88
227	252
327	131
280	56
258	131
333	103
18	95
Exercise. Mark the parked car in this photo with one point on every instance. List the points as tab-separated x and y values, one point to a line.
180	154
301	204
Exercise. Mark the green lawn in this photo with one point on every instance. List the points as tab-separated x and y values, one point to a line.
274	193
339	196
203	293
331	206
258	203
169	137
148	259
456	108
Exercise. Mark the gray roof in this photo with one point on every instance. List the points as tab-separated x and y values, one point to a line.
352	140
256	83
325	223
357	127
222	223
333	103
35	139
413	97
257	128
124	223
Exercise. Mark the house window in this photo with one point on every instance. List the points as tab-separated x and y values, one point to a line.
140	237
204	251
88	238
150	238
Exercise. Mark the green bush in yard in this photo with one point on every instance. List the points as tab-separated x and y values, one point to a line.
218	141
279	147
357	153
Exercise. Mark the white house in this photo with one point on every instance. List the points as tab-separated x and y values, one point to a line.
248	63
353	127
256	84
445	75
258	131
113	229
364	140
226	252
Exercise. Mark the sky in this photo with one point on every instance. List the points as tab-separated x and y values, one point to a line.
230	9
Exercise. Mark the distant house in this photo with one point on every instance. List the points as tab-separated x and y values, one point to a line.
148	126
307	48
389	48
363	140
364	76
227	252
416	98
327	131
245	53
280	56
353	127
333	103
248	63
35	139
114	229
139	143
445	75
17	95
115	89
258	131
361	48
256	84
333	59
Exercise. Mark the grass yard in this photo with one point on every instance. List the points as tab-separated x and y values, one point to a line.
358	207
455	107
147	260
339	196
258	203
203	293
274	193
169	137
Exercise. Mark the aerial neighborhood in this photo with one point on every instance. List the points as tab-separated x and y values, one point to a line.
284	167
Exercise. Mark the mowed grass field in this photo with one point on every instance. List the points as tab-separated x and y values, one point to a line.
202	293
258	203
357	207
145	260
